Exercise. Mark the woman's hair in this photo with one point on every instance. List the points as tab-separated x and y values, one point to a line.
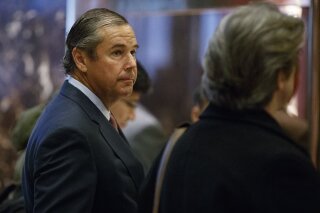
199	97
249	48
85	33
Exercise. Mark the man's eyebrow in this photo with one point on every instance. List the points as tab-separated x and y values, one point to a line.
123	46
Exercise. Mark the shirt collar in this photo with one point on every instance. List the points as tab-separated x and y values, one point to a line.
95	100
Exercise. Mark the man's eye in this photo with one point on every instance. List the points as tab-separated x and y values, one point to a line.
117	53
133	52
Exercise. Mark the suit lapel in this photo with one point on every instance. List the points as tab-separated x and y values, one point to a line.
123	150
115	140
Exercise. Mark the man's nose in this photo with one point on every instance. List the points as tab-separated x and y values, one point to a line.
130	61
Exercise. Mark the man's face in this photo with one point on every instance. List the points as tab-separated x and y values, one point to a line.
112	73
124	109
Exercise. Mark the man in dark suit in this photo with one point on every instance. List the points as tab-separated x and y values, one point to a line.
77	160
237	158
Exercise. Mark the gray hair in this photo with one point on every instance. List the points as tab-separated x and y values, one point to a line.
85	34
244	56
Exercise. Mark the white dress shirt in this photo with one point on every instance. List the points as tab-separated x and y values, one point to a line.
95	100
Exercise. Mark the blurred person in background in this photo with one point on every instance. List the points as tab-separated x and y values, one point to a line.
142	130
12	200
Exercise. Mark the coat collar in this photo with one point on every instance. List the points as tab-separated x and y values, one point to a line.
257	117
254	116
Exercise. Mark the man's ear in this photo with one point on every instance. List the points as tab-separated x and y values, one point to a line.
79	58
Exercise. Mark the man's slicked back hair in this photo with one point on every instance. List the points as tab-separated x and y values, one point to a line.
85	33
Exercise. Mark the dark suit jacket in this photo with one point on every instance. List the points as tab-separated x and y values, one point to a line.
77	162
236	162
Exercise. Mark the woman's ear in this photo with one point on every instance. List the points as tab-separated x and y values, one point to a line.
195	113
281	81
286	85
79	58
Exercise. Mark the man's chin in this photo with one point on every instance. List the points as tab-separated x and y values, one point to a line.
126	92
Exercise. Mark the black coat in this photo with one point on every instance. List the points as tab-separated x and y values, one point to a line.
236	161
77	162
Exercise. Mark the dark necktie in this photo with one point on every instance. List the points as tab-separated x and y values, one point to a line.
113	122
